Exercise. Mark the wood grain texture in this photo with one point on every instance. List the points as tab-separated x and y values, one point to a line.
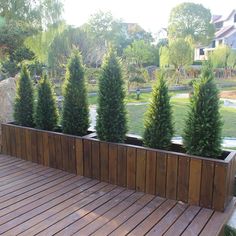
113	163
131	167
96	160
151	172
141	170
79	156
104	162
122	166
161	170
87	158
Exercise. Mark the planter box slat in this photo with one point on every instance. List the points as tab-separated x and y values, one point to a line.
161	169
172	176
104	162
195	180
183	179
151	172
131	167
112	153
207	181
141	170
122	166
79	156
95	160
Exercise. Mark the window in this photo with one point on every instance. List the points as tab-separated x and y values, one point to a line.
213	43
235	18
220	41
201	52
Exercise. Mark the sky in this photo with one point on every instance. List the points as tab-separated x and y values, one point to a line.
152	15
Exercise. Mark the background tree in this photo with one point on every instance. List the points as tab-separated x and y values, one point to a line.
158	123
220	56
202	132
24	101
191	20
46	114
111	114
75	114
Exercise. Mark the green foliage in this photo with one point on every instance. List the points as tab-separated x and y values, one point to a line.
111	114
164	56
180	53
191	20
75	114
24	101
158	123
202	132
46	114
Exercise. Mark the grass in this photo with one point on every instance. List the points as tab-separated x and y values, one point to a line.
180	110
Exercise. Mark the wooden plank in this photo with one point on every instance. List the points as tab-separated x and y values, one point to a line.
124	216
161	170
183	179
46	157
58	151
72	153
195	171
79	156
153	218
207	181
219	191
28	145
113	163
8	140
18	142
183	221
4	143
217	221
151	172
52	151
122	166
65	153
40	147
141	170
104	162
172	176
198	223
95	160
12	141
161	227
23	143
131	167
87	158
33	134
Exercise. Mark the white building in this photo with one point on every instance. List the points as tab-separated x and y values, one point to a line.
225	35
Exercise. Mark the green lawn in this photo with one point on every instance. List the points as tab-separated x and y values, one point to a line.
180	108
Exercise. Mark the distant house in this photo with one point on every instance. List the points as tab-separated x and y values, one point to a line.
225	35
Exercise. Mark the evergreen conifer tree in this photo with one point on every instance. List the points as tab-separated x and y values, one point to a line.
24	101
111	113
46	114
202	132
75	114
158	123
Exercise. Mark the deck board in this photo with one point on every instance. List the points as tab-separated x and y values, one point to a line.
38	200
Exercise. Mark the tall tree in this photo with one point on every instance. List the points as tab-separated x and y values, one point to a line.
202	132
111	114
24	101
159	122
191	20
46	114
75	114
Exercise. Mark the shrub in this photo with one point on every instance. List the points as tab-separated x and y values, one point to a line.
158	123
111	114
202	132
75	114
46	115
24	101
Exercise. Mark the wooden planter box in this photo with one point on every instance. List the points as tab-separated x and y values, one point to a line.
195	180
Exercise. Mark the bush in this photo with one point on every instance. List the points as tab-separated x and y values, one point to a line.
202	132
111	114
75	114
158	123
46	115
24	101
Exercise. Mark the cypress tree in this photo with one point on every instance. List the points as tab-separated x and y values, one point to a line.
111	113
24	101
158	122
75	114
202	132
46	115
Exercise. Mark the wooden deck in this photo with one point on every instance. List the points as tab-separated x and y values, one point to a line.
37	200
